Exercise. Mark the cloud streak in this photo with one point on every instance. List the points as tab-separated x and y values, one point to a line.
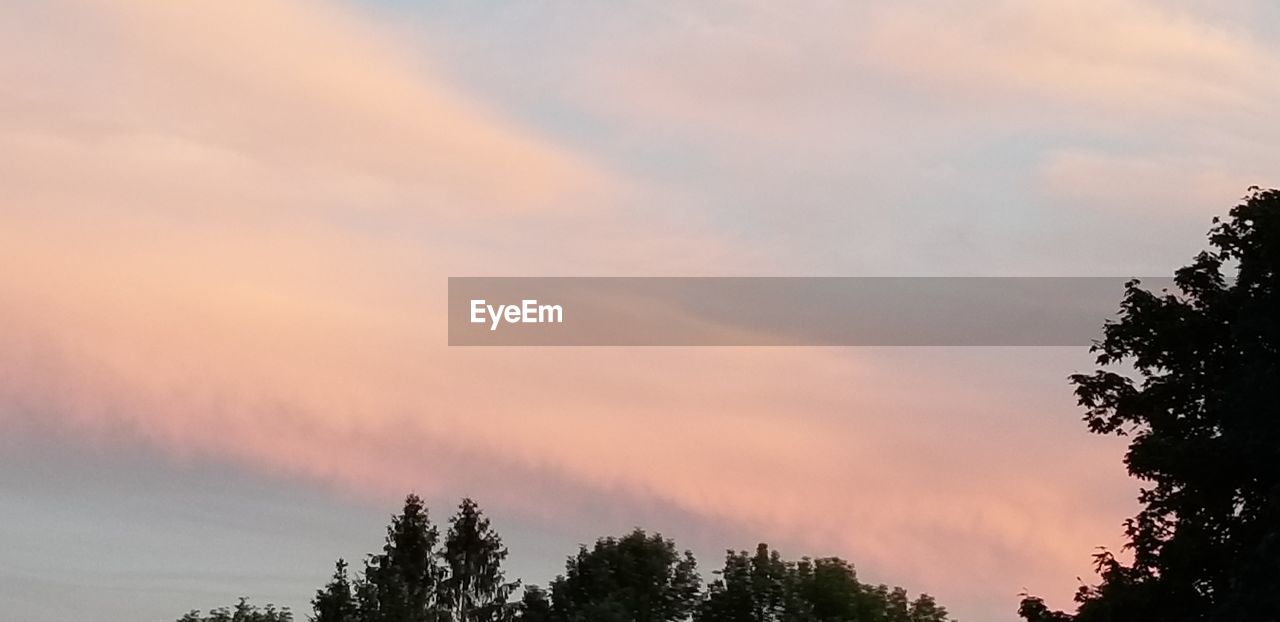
226	233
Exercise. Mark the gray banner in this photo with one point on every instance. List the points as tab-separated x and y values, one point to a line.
783	311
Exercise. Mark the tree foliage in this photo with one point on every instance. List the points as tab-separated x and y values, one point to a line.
639	577
335	602
418	578
762	587
241	612
1190	377
475	588
401	584
535	605
636	578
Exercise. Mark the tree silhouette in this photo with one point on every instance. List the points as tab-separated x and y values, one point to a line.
402	583
475	589
635	578
602	585
241	612
828	589
926	609
535	605
762	587
335	602
1198	395
751	588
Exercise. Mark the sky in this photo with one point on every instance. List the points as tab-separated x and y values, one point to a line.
226	228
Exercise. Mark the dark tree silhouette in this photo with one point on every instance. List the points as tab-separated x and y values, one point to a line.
635	578
926	609
242	612
535	605
402	583
1192	378
475	589
828	589
335	602
762	587
751	588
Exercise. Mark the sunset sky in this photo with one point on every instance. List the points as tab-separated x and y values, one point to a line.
226	229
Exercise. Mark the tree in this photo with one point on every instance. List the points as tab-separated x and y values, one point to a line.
242	612
1034	610
635	578
1190	377
475	589
762	587
828	590
535	606
751	588
402	583
925	609
336	602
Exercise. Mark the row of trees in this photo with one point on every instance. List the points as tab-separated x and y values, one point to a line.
420	576
642	577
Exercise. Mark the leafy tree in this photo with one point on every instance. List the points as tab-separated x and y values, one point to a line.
1190	377
899	605
336	602
475	589
535	606
242	612
402	583
827	589
1034	609
925	609
751	588
635	578
762	587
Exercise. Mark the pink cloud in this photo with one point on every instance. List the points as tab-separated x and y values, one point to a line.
1136	59
300	89
1154	183
226	234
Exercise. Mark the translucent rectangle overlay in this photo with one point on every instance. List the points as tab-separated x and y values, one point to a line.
784	311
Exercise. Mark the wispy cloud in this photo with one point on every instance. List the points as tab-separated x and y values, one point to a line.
1138	60
225	233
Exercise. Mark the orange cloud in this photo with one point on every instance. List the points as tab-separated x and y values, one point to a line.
299	89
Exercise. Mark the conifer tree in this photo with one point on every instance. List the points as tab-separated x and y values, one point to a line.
475	588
